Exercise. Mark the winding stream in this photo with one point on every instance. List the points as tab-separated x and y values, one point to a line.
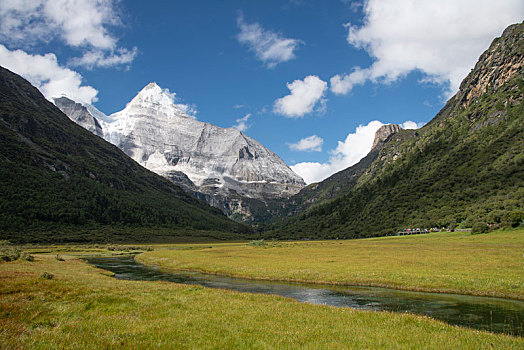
492	314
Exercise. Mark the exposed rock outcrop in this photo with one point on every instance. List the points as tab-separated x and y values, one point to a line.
384	132
495	66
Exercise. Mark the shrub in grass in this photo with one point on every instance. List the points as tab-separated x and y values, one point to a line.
48	276
257	243
9	254
127	248
27	257
479	227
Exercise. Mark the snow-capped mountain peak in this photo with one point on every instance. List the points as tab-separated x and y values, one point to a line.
152	98
219	162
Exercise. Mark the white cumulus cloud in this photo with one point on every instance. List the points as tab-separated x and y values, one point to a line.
304	96
442	39
44	72
311	143
81	24
269	47
347	153
189	109
411	125
99	58
344	84
242	124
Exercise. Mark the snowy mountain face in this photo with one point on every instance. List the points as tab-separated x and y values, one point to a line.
221	165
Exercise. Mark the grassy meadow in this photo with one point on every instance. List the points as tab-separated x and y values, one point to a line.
457	262
82	307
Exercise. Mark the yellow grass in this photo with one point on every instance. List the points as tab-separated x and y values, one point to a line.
489	264
84	308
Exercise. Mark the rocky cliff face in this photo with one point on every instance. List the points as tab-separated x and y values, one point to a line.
221	165
79	114
384	132
498	64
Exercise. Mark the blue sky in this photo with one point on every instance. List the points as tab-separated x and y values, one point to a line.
316	71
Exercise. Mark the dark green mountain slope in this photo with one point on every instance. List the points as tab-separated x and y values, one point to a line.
465	166
59	182
338	183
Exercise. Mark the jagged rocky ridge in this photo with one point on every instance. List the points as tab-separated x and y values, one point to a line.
465	167
223	166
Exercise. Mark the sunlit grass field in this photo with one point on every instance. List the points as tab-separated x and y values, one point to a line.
487	264
82	307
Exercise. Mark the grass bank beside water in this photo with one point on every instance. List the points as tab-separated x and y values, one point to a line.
81	307
457	262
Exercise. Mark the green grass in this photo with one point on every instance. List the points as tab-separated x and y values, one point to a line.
488	264
83	308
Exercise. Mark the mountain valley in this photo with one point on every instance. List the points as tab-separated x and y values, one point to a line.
262	174
463	168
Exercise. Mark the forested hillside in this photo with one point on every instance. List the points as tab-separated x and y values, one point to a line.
465	167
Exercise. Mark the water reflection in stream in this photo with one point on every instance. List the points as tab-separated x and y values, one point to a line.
493	314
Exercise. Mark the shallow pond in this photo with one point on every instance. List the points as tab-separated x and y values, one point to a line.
493	314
